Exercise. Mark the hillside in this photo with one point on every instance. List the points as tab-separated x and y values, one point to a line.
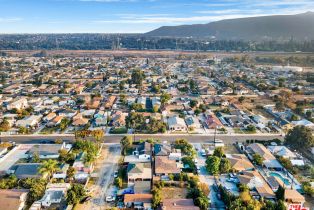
279	27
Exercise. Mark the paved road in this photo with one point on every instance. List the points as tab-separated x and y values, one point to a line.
209	180
193	138
105	179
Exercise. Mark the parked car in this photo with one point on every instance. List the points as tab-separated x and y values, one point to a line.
110	198
115	175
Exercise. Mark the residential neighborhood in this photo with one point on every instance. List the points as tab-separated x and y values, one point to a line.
114	132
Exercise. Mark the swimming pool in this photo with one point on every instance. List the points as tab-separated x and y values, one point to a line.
286	181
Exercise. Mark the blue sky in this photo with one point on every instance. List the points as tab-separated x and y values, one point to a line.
131	16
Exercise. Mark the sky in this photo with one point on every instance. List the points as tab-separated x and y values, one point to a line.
131	16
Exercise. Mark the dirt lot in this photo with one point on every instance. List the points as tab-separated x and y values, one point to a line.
174	192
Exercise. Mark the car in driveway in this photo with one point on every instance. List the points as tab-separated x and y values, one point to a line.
110	198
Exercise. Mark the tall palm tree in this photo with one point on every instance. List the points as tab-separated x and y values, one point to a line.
49	167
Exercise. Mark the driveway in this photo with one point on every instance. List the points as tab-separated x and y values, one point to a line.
104	183
208	179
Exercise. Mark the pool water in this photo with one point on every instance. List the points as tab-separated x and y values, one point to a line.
286	181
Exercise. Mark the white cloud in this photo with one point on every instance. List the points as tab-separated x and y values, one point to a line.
9	20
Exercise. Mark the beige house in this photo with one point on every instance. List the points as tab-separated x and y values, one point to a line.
13	199
139	172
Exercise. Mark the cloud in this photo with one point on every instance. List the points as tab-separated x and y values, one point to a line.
9	20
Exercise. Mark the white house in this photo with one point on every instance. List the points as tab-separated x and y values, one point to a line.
30	121
176	124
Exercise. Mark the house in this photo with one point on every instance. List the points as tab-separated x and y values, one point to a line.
49	116
178	204
79	120
46	151
240	162
303	122
100	118
68	113
192	122
82	169
29	122
110	101
176	124
269	161
55	193
20	103
57	120
142	101
212	121
165	166
13	199
293	197
62	172
162	149
118	119
139	172
27	170
274	182
255	181
138	201
143	151
156	102
282	151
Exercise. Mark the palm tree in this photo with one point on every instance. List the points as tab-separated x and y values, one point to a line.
49	167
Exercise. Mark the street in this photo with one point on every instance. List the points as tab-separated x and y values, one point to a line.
192	138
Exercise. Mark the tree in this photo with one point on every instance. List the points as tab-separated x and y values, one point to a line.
188	161
241	99
300	137
37	190
157	197
307	188
5	125
64	124
75	194
89	158
36	158
251	128
204	188
280	193
219	152
224	166
118	182
164	98
193	103
126	142
279	106
155	108
48	167
202	202
185	146
212	165
258	159
70	173
137	77
58	141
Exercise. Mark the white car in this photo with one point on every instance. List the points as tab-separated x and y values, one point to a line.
115	175
110	198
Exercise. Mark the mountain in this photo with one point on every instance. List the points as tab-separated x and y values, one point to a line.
278	27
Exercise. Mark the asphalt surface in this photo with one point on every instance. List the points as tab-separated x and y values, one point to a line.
193	138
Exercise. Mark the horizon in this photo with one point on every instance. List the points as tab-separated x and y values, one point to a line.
130	16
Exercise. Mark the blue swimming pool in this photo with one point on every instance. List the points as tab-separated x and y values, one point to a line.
286	181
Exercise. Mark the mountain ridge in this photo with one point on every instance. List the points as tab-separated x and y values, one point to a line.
298	26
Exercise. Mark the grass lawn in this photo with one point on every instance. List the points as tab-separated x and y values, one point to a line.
174	192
